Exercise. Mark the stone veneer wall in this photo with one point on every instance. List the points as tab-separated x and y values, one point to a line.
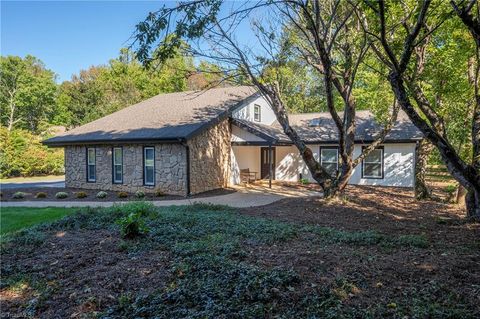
210	158
170	168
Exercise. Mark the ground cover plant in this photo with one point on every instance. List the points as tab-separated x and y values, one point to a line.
369	256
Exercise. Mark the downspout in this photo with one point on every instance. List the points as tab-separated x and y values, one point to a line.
187	154
270	165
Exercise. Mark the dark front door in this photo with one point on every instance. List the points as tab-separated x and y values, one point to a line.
265	162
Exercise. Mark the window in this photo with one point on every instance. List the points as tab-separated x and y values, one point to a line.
257	116
149	166
329	159
117	165
372	164
91	165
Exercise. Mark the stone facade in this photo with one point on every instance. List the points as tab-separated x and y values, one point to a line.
210	158
170	168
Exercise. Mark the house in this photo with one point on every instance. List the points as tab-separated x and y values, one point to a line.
191	142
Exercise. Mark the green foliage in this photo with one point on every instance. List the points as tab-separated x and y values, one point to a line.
122	194
61	195
18	195
22	154
41	195
139	194
81	195
159	193
132	225
451	188
27	93
304	181
101	194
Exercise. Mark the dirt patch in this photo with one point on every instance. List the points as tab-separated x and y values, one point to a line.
7	195
82	271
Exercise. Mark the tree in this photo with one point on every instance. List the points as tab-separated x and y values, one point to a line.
28	91
397	43
324	33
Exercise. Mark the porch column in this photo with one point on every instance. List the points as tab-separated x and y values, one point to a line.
270	166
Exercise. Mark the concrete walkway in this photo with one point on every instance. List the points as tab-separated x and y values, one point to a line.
37	182
249	196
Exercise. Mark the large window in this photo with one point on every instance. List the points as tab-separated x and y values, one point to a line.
117	165
91	165
257	113
149	166
372	164
329	159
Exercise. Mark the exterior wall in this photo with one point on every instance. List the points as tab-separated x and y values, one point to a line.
399	164
170	168
210	158
240	135
246	112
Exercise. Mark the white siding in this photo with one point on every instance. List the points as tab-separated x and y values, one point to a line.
246	112
240	135
399	166
244	157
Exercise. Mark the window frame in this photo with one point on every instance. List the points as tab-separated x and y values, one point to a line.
114	181
382	164
88	164
328	148
255	113
144	166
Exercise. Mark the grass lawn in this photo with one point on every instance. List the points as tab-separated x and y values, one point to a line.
16	218
377	254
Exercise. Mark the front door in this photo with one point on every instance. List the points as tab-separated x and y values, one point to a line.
265	162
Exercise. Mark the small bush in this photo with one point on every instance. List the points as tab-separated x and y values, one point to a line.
304	181
139	194
132	225
41	195
159	193
450	189
101	194
61	195
81	195
18	195
122	194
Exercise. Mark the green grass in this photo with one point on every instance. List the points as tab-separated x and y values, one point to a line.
16	218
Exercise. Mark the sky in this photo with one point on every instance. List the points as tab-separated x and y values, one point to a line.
69	36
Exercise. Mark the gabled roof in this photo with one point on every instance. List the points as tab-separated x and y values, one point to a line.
165	117
319	128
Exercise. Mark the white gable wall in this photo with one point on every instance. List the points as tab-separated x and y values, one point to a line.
241	135
245	112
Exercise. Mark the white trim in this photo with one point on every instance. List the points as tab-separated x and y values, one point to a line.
145	166
381	176
117	181
94	164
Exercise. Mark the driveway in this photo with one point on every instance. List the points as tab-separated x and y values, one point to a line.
38	182
243	197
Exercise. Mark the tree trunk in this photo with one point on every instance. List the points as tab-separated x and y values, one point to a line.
472	204
422	191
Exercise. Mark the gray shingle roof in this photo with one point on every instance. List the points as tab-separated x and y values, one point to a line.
325	131
170	116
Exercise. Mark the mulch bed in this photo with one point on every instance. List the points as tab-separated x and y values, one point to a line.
30	193
448	268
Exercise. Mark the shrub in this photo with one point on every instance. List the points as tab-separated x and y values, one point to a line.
450	189
41	195
304	181
18	195
132	225
61	195
101	194
139	194
122	194
81	195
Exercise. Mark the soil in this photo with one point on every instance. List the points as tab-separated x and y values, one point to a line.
449	265
446	271
30	193
74	260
